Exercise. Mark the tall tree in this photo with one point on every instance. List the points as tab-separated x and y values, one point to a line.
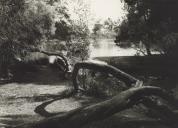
43	24
148	21
23	24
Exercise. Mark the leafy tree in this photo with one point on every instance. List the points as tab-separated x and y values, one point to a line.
78	43
106	28
28	25
110	27
23	24
71	28
148	22
97	27
109	24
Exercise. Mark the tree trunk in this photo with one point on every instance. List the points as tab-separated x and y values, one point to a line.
147	46
85	115
5	73
64	59
128	79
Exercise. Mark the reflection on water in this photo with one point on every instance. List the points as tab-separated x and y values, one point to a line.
107	47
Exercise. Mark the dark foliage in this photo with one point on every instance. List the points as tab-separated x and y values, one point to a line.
153	23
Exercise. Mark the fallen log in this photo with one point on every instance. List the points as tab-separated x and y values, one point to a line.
64	59
84	115
128	79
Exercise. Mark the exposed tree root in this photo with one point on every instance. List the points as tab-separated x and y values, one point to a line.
41	108
84	115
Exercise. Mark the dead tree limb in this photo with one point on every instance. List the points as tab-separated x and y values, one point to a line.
82	116
63	58
33	49
128	79
56	54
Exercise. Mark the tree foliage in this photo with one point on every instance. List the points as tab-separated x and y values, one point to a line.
71	28
106	28
43	24
97	27
23	24
149	22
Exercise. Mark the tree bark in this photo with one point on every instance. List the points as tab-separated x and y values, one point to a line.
128	79
147	46
85	115
60	55
29	49
47	53
64	59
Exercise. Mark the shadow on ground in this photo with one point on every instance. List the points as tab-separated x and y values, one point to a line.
38	74
42	91
11	120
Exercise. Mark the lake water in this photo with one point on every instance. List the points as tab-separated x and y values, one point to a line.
107	47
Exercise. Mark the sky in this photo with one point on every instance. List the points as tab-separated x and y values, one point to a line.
104	9
99	10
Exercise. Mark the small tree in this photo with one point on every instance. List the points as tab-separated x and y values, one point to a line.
23	25
148	22
29	25
97	27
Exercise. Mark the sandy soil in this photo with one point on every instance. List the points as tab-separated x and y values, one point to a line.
18	101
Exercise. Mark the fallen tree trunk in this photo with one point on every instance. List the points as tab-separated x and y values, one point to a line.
82	116
128	79
64	59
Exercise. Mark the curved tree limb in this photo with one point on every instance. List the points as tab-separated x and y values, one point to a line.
41	108
54	54
128	79
63	58
82	116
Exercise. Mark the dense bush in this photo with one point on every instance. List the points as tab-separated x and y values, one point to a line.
150	25
27	25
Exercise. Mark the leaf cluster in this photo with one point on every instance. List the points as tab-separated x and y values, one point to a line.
149	22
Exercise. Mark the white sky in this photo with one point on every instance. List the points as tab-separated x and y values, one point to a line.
100	10
107	8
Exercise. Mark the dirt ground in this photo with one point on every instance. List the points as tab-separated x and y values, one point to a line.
18	101
40	96
36	96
